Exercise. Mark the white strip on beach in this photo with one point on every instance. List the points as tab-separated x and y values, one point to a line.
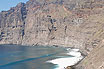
68	61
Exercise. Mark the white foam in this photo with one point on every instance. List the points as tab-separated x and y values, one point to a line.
72	49
68	49
69	61
75	50
74	53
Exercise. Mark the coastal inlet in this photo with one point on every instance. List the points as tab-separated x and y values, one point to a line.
37	57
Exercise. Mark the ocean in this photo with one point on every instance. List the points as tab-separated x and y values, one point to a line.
35	57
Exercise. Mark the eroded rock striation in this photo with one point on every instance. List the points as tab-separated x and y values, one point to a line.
70	23
95	60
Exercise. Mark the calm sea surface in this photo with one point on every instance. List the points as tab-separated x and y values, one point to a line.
27	57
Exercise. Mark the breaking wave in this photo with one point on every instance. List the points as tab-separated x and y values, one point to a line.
68	61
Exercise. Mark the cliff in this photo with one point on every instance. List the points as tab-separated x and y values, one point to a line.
70	23
95	60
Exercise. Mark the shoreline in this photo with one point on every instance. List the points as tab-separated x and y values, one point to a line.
60	46
71	61
72	67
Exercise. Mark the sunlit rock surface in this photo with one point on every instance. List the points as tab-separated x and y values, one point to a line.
69	23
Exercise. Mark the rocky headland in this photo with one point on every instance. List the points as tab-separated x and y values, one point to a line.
94	60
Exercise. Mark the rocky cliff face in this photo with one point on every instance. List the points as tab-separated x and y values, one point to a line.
70	23
95	60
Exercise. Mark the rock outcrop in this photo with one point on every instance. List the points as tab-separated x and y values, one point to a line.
70	23
68	67
95	60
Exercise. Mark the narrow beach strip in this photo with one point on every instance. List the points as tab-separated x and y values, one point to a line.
68	61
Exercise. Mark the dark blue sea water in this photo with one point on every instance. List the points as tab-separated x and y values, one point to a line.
28	57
